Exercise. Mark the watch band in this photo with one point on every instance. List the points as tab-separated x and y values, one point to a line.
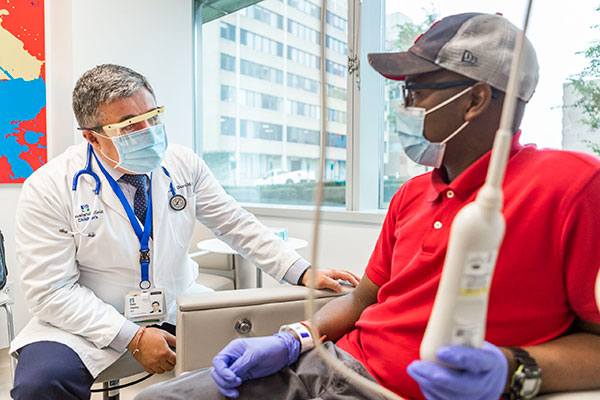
527	378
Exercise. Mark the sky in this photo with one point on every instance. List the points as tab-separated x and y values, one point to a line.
555	32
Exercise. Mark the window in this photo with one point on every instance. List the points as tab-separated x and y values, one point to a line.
304	83
302	57
269	115
227	62
336	140
336	116
260	71
306	7
303	135
227	126
228	93
303	109
264	15
261	100
227	31
336	45
335	68
336	92
261	130
303	32
337	21
261	43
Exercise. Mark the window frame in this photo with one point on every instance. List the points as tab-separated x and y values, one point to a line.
364	153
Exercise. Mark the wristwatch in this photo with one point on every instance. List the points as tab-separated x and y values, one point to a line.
527	379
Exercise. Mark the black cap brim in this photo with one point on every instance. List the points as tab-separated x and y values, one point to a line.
398	65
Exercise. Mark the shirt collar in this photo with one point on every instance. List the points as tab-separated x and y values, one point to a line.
470	178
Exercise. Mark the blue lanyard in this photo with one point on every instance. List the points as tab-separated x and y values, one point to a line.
143	236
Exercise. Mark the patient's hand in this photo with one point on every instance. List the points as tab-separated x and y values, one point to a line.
154	353
328	278
251	358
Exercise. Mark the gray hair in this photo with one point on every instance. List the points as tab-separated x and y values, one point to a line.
104	84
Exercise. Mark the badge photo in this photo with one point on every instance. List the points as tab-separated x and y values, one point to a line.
145	306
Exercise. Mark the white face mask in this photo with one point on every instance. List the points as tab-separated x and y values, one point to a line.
410	123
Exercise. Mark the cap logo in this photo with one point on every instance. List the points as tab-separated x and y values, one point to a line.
468	57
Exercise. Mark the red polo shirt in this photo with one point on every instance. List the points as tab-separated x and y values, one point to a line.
546	267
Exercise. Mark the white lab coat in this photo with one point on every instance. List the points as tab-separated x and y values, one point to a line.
76	285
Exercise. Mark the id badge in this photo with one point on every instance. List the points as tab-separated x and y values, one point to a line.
145	306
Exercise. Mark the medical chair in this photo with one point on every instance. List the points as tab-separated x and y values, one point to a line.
206	323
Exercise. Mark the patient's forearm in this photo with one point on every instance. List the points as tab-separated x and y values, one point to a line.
568	363
339	316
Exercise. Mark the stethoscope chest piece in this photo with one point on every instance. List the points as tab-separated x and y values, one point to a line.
177	202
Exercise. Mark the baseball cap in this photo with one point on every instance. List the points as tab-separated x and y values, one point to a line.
478	46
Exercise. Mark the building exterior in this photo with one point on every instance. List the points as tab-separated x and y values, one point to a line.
261	91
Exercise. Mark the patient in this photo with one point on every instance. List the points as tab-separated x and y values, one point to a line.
543	327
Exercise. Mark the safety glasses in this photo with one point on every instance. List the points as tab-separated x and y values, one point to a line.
409	88
134	124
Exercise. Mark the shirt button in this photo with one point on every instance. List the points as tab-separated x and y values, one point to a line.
450	194
437	225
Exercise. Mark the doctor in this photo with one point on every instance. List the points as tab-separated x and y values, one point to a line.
109	218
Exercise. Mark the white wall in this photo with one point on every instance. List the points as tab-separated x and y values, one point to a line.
342	244
153	37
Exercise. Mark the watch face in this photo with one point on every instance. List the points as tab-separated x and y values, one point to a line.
526	384
530	386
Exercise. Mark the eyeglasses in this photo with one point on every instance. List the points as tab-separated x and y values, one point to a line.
409	88
152	118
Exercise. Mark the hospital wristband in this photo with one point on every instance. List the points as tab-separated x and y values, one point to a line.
302	332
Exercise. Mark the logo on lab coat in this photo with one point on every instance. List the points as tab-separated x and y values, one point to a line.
86	215
85	208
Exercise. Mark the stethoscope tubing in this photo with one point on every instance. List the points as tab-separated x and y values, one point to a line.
88	170
177	202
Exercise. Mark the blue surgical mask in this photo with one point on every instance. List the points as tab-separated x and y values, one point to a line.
142	151
409	127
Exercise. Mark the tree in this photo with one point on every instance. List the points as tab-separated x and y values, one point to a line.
408	32
588	90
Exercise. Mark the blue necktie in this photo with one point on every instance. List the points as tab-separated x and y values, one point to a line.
140	201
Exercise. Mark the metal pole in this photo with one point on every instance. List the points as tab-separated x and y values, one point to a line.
11	336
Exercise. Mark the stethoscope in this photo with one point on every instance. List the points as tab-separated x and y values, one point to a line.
177	202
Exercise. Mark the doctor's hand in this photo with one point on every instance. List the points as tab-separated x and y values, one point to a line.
154	353
245	359
473	374
326	278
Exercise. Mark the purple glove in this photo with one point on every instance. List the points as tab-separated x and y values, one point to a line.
244	359
472	374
